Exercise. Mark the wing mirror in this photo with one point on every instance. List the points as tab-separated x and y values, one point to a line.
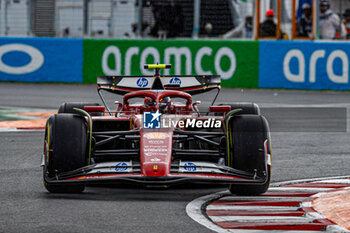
219	108
119	105
195	106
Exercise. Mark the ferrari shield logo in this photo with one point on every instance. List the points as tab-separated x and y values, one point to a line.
151	120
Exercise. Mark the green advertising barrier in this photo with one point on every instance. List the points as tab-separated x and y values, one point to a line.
236	61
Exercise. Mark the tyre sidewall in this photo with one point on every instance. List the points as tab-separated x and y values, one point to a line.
247	150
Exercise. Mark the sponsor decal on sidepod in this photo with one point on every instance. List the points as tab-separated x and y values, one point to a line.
120	167
191	167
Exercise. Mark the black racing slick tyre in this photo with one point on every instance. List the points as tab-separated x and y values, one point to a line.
69	108
66	149
250	151
247	108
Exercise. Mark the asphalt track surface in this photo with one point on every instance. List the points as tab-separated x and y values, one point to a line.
306	144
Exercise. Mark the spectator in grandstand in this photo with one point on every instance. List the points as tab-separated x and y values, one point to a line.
330	25
268	27
305	22
244	30
300	7
346	23
169	20
65	32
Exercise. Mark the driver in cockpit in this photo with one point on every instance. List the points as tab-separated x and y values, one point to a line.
148	103
165	105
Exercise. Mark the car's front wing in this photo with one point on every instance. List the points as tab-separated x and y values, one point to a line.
128	172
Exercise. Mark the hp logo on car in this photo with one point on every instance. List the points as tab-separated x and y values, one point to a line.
120	167
191	167
175	81
142	82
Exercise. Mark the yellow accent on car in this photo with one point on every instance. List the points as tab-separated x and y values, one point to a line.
158	66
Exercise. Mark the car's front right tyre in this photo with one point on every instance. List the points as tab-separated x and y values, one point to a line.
250	151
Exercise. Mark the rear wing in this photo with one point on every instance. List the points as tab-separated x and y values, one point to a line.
192	84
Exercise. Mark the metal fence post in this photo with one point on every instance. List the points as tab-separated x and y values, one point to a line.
86	18
139	18
196	18
111	19
1	18
29	17
317	14
6	18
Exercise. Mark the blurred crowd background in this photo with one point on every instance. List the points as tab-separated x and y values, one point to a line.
163	19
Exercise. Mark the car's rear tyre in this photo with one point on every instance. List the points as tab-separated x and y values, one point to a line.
248	135
66	149
247	108
69	108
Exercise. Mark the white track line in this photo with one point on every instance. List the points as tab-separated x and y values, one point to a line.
194	211
261	198
299	189
277	231
306	204
336	228
10	130
334	181
262	219
278	184
251	208
316	215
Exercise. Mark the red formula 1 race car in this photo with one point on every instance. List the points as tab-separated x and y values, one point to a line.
157	137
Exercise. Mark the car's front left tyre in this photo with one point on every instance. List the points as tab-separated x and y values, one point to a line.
66	149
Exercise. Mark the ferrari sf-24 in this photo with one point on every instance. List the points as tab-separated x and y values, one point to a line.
157	137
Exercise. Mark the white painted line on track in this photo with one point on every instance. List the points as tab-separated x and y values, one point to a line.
277	231
317	195
336	228
15	130
262	219
278	184
299	189
315	215
194	211
334	181
261	198
8	129
252	208
306	204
